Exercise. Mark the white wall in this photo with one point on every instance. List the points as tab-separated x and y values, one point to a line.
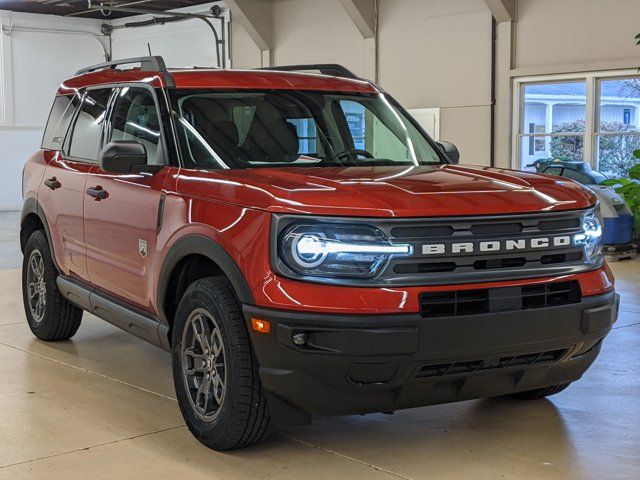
35	56
551	34
181	44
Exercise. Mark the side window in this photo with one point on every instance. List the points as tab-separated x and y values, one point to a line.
86	139
64	106
135	118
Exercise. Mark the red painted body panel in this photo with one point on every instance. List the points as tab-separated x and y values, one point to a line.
236	79
425	191
266	80
286	294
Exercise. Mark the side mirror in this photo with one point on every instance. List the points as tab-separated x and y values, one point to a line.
451	151
123	157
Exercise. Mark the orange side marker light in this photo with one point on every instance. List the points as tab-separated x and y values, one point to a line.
261	326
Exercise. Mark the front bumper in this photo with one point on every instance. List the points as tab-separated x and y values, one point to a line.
372	363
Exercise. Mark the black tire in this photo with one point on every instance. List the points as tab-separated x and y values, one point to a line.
241	417
540	392
57	319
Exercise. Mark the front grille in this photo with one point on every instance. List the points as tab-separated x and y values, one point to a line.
494	363
550	294
491	300
521	259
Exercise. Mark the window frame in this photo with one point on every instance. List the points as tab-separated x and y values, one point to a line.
592	110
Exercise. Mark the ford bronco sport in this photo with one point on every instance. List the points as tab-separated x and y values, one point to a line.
301	246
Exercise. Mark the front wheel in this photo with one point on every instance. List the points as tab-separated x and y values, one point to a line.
50	316
215	371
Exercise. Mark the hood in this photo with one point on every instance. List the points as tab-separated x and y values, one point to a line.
408	191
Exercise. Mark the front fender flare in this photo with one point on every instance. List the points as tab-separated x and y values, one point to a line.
195	244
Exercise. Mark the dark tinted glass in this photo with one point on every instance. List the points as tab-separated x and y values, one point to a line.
86	139
60	117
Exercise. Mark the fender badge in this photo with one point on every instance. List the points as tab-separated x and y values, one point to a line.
142	248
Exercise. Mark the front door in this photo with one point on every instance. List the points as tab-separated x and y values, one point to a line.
121	224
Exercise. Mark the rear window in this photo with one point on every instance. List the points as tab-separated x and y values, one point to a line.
60	117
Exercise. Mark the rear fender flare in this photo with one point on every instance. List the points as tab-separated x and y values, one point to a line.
32	206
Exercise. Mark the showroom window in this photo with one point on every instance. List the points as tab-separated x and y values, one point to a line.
617	133
590	117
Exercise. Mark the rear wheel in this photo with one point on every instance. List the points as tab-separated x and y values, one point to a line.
50	316
215	371
540	392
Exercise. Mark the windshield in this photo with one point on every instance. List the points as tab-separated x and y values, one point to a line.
280	128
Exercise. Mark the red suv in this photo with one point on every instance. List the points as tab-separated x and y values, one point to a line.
302	247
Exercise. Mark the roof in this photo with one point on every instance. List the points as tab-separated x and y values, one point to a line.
221	79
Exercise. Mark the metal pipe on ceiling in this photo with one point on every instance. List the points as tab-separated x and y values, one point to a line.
147	23
219	44
18	28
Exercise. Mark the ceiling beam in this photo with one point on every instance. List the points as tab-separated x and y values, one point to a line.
362	12
503	10
256	17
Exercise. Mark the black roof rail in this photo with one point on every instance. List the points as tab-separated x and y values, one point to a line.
147	64
333	69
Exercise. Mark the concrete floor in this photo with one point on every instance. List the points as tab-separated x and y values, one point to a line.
102	406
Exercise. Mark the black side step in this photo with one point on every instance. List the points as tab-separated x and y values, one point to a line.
115	312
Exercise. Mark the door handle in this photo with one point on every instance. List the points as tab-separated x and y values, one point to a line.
97	192
52	183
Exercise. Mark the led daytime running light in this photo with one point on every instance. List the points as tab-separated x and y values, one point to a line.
311	245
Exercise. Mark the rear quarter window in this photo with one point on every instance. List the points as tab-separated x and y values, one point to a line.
60	117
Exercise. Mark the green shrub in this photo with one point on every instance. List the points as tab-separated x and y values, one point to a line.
629	189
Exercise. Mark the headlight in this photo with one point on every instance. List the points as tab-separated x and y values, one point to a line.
591	237
337	250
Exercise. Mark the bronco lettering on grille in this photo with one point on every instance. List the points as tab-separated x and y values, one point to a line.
496	246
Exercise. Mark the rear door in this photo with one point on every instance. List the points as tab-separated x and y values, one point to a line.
63	192
121	229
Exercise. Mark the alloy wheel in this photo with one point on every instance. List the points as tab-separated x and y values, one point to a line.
203	364
36	286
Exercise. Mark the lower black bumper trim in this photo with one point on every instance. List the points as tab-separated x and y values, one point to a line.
352	364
